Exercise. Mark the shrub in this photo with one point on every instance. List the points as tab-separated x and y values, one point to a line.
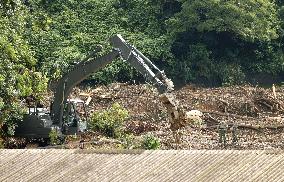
109	121
150	142
129	141
231	74
1	143
53	136
11	114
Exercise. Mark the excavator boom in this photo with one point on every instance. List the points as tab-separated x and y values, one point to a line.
90	65
142	64
73	78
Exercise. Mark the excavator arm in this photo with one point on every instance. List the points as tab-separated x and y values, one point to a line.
74	77
142	64
90	65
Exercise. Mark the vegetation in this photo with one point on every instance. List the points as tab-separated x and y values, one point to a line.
18	73
109	121
150	142
129	141
223	42
53	137
147	142
213	42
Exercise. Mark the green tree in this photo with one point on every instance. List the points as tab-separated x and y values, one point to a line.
249	19
65	31
109	121
18	76
236	34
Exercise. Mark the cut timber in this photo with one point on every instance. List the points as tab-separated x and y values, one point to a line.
88	100
214	123
85	94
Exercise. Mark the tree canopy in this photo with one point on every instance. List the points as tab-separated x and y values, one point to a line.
18	76
250	20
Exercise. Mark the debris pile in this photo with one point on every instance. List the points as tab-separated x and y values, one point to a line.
256	115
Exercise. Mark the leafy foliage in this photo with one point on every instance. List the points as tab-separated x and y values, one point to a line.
150	142
74	28
231	74
226	34
109	121
191	39
250	19
18	77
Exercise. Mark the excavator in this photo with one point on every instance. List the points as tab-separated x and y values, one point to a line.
63	115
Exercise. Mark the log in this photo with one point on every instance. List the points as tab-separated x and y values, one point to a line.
211	120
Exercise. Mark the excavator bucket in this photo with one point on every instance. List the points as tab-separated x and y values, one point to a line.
167	99
176	114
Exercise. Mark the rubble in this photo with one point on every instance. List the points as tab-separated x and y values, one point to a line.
257	114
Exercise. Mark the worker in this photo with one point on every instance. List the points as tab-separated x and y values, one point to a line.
234	133
222	132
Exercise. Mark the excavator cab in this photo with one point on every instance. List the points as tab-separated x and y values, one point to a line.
74	117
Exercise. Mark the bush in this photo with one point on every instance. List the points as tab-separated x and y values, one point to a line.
150	142
11	114
231	74
1	143
53	136
129	141
109	121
